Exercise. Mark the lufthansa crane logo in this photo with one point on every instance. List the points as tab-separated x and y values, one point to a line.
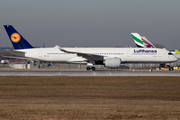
15	37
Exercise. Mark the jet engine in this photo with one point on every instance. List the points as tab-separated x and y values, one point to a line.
112	62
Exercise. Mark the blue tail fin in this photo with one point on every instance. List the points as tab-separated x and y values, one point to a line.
16	39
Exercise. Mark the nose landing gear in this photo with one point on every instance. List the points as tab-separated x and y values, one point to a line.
170	68
166	66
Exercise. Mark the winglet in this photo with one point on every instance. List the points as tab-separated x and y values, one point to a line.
61	49
137	40
177	51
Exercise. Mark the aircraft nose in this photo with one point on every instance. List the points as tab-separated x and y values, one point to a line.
175	58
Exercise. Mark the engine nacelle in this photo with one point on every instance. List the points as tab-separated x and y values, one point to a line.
112	62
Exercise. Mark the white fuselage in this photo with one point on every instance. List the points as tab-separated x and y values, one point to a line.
127	55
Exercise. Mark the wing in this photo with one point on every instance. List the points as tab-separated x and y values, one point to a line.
88	56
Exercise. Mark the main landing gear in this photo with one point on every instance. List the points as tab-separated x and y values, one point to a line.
89	68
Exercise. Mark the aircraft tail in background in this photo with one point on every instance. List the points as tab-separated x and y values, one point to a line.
147	43
16	39
137	40
177	51
142	41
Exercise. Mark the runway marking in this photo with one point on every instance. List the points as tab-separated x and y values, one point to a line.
110	74
94	73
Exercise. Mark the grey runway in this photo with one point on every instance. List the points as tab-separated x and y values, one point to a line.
39	72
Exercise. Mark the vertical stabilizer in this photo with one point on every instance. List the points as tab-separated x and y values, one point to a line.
147	43
177	51
16	39
137	40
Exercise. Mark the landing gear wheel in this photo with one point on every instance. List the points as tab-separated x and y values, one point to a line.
93	68
171	69
88	68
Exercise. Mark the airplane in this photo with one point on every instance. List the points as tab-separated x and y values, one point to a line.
109	57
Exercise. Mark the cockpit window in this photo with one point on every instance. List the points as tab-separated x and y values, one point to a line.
170	53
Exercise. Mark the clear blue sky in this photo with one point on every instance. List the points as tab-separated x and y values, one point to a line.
92	22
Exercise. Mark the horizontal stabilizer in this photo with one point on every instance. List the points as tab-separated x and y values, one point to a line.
14	52
16	57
